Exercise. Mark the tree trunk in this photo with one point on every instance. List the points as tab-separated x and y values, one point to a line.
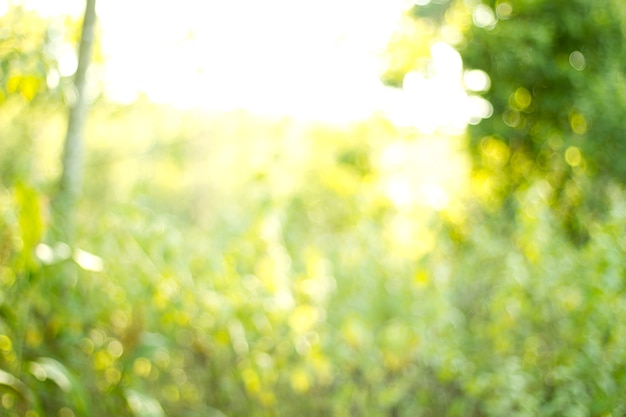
71	177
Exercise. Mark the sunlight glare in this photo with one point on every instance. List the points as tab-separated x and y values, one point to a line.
267	58
436	196
437	101
73	8
479	109
400	191
484	17
476	80
427	173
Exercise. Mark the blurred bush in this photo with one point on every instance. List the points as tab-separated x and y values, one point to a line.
287	286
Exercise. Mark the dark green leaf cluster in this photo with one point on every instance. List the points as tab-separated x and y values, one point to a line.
557	90
557	82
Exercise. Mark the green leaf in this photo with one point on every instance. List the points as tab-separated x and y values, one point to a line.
11	382
48	368
143	405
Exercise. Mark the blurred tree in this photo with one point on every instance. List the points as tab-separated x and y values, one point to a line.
71	177
557	90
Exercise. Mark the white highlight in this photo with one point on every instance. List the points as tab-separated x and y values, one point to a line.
279	57
311	60
484	17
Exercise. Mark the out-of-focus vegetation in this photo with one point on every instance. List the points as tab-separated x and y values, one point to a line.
553	73
229	265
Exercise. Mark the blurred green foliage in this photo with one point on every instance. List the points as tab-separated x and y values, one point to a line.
229	265
556	86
